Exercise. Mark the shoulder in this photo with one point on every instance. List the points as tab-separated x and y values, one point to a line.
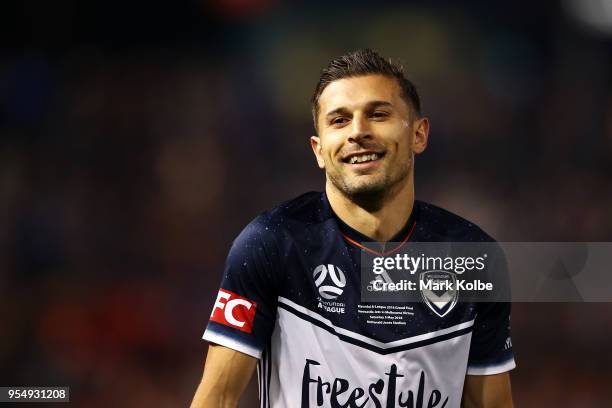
274	224
308	208
436	223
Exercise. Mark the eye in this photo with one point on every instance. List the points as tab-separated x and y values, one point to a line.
340	120
380	114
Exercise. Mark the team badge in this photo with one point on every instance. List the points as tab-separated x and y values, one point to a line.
439	291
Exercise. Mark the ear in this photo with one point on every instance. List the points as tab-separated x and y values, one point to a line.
420	135
315	143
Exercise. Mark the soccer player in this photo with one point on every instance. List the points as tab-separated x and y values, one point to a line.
290	299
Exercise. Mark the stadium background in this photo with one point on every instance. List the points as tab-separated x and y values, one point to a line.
137	138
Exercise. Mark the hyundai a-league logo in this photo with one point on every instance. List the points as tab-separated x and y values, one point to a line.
327	289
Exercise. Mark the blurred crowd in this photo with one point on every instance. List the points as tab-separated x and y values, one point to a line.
136	142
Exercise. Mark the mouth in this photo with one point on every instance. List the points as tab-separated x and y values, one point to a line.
362	157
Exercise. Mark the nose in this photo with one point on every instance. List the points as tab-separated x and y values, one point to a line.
360	129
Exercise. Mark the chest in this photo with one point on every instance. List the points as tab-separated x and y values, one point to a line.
325	278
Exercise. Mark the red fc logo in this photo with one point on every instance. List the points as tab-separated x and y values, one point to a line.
234	311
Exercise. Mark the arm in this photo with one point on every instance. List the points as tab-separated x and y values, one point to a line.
226	374
242	318
487	391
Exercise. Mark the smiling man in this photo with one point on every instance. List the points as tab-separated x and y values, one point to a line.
290	298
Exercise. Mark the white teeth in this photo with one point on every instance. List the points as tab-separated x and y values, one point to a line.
363	158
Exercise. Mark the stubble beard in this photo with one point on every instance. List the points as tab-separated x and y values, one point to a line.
371	195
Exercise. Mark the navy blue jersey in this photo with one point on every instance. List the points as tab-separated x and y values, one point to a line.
290	296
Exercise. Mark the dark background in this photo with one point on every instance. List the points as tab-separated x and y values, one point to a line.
138	138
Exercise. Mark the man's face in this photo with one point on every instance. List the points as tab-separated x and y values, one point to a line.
367	135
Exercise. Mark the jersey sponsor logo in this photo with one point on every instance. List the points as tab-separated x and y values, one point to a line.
329	290
339	392
439	291
382	277
234	311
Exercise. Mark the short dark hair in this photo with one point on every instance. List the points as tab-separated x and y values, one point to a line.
360	63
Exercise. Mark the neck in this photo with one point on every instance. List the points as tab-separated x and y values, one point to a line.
379	218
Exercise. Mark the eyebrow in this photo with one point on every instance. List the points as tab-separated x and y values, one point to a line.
369	106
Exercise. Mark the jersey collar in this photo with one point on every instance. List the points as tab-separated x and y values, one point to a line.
356	238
